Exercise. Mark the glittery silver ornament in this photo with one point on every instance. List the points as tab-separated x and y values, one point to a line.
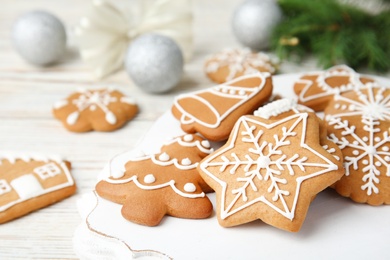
39	37
253	22
154	62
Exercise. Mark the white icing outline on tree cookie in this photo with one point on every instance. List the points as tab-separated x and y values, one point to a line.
372	109
219	90
263	162
339	70
239	60
13	157
162	160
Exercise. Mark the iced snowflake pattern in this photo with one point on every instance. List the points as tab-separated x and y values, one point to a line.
373	149
268	162
240	61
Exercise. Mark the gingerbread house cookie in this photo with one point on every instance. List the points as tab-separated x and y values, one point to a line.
316	89
166	183
212	112
233	63
271	168
31	181
359	123
100	110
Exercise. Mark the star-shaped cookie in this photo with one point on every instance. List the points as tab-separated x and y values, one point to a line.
271	169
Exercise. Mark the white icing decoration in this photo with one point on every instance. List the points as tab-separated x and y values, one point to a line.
164	157
240	61
128	100
27	186
188	138
265	161
205	143
339	70
12	157
186	162
188	118
368	149
149	179
111	118
93	100
47	171
275	108
72	118
189	187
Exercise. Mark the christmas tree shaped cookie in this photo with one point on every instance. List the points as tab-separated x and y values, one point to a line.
316	89
212	112
166	183
271	167
359	123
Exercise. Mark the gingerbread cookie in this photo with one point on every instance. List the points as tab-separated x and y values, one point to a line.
100	110
359	123
316	89
233	63
271	167
213	112
32	181
166	183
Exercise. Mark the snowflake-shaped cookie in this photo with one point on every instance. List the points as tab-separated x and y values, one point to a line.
316	89
232	63
100	110
161	184
270	170
358	122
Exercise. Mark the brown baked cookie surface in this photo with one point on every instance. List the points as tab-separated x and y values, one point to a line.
166	183
272	166
359	123
100	110
316	89
212	112
233	63
32	181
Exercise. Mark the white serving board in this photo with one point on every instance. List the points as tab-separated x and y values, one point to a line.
335	227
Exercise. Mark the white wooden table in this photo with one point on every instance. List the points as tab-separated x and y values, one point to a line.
27	94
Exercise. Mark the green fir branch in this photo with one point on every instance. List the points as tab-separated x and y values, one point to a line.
334	33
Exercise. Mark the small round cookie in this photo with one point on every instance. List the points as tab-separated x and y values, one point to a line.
213	112
316	89
100	110
273	165
359	123
30	181
166	183
232	63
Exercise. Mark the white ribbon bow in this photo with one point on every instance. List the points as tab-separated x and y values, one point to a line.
103	36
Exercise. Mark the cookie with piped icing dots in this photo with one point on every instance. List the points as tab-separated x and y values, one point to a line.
359	123
100	110
316	89
166	183
233	63
212	112
32	181
272	166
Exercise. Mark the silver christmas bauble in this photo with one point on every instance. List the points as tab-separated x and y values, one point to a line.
253	22
154	63
39	37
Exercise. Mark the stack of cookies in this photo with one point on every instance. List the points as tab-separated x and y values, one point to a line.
273	156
